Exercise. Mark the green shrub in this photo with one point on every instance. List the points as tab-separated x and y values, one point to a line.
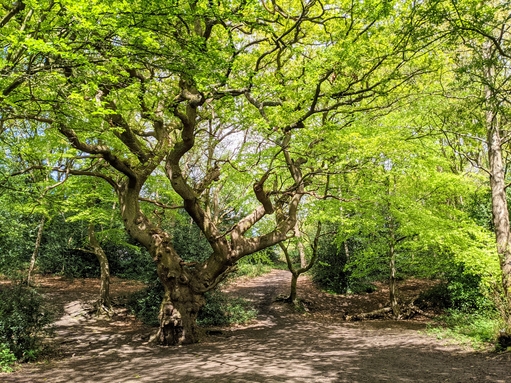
7	358
23	321
460	292
469	315
475	329
466	294
221	310
330	272
145	304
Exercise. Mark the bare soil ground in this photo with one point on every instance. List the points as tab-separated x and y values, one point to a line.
280	346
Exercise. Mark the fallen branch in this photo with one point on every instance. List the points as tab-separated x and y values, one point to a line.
406	312
370	315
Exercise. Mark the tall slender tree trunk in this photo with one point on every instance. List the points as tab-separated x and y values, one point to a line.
500	211
498	192
295	273
37	246
392	283
104	303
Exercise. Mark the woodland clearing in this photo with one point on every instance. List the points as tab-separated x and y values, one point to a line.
281	345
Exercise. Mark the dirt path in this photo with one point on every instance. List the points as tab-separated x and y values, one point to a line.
281	346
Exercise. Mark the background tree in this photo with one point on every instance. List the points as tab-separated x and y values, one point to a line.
476	85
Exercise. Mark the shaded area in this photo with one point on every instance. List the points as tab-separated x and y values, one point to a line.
281	346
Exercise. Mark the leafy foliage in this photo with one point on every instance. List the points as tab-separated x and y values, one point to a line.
7	358
477	330
461	292
257	264
330	273
145	304
221	310
23	321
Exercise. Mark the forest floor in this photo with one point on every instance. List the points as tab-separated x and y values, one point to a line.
281	345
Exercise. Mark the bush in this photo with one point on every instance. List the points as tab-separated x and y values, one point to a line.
477	330
461	292
221	310
466	294
469	316
7	358
23	321
145	304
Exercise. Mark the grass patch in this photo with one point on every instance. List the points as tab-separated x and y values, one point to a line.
7	358
476	330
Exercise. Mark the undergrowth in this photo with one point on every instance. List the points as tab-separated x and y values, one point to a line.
257	264
7	358
221	310
251	270
23	324
474	329
469	316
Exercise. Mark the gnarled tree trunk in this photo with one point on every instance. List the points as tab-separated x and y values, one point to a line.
178	314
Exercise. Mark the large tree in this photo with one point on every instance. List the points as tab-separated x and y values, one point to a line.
214	96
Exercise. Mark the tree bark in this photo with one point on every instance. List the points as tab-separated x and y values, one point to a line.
37	246
396	309
178	314
104	304
295	273
294	281
500	210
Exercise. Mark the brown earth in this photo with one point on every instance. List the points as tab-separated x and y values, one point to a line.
280	346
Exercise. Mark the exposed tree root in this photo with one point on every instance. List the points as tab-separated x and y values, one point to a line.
103	310
298	304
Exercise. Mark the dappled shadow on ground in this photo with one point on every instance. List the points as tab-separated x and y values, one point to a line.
288	352
281	346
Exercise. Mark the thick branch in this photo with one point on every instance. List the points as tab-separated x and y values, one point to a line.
17	8
262	196
103	150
